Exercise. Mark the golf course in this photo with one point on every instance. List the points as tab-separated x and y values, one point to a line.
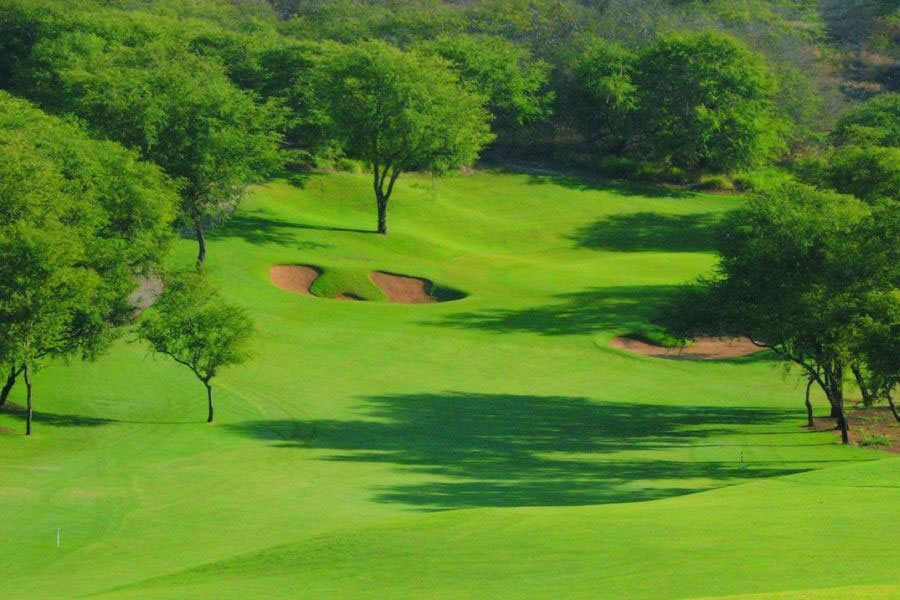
495	444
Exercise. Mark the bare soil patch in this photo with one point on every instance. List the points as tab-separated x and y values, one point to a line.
404	289
701	349
149	289
294	278
867	425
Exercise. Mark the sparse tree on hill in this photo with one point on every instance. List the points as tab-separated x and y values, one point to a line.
797	268
193	326
401	111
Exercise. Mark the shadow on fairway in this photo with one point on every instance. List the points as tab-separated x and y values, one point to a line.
650	232
645	190
506	450
259	228
593	310
54	420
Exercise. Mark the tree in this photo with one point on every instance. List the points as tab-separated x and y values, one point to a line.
400	111
797	265
193	326
879	345
876	122
598	94
505	74
870	173
79	219
706	103
176	108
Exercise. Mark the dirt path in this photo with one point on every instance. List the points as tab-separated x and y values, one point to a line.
873	422
403	289
294	278
700	349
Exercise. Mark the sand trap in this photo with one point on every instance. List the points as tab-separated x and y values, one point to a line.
294	278
702	349
403	289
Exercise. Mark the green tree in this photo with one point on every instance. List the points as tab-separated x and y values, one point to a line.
879	345
502	72
876	122
598	94
177	108
79	219
706	103
870	173
193	326
797	265
400	111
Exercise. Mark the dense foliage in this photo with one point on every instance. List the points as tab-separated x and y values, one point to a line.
79	219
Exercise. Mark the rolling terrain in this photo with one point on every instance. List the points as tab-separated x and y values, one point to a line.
492	445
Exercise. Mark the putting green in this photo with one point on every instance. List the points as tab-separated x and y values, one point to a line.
491	446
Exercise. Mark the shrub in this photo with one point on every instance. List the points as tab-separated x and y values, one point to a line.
348	165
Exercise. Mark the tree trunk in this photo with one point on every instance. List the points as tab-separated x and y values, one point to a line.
890	400
201	242
209	397
809	409
29	412
8	386
864	390
836	397
382	214
845	427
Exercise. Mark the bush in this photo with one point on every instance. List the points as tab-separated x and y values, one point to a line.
872	438
715	182
658	337
348	165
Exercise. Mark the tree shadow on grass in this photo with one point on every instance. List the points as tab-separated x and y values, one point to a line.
593	310
510	450
646	190
650	232
53	419
259	228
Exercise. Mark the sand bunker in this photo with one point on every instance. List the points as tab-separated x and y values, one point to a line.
403	289
701	349
398	288
294	278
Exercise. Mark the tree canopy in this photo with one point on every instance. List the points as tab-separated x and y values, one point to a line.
706	102
400	111
79	219
175	107
797	268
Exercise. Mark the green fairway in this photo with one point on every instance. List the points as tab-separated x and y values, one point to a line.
490	446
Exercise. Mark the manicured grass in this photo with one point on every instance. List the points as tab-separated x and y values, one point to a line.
491	446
